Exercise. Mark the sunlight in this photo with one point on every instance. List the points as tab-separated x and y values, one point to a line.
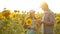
29	4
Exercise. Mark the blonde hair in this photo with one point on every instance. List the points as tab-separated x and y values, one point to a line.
44	5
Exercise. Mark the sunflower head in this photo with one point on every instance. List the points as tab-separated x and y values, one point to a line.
11	15
28	21
4	27
6	13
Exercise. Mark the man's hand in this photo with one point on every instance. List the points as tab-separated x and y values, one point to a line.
47	23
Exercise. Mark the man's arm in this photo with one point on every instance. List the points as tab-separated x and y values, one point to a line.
51	20
48	23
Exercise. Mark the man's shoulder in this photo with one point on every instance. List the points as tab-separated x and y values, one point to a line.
51	13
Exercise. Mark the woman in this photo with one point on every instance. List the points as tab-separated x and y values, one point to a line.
32	28
48	19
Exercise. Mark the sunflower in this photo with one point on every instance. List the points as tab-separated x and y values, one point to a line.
37	25
4	27
6	13
28	21
11	15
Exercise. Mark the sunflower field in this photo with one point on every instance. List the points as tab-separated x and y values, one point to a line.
14	23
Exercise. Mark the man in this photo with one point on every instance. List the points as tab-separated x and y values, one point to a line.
48	19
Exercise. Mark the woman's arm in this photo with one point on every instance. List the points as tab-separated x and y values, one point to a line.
37	24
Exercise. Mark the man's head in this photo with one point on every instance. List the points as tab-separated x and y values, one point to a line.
44	6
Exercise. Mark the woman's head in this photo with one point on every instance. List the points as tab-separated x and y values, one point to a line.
32	13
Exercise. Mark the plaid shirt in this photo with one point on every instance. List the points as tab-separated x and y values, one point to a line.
49	17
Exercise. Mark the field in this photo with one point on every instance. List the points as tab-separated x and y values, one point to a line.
13	23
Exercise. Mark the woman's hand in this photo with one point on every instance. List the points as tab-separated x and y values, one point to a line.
35	27
39	21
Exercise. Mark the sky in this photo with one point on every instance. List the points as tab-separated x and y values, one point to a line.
54	5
